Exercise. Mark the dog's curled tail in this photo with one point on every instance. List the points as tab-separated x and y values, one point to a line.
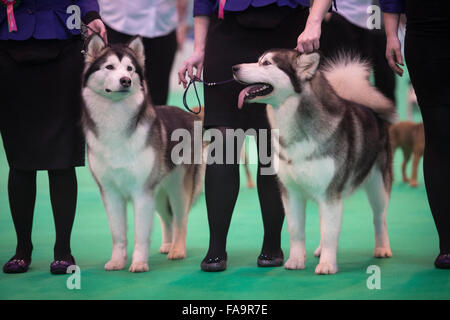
348	75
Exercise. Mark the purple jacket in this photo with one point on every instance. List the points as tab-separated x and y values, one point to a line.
45	19
392	6
207	7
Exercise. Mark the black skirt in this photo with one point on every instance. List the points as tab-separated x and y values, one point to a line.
242	37
40	90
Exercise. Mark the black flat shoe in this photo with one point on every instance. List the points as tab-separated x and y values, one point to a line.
61	266
16	265
442	261
271	260
215	264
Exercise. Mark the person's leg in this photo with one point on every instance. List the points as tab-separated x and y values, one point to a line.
383	74
116	36
160	54
63	196
436	170
338	35
272	210
221	192
428	69
22	196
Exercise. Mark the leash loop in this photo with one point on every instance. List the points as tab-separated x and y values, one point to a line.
192	82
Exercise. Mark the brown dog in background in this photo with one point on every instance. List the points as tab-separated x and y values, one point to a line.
250	183
410	137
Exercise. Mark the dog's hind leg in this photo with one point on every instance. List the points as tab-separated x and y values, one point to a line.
164	210
143	220
330	213
295	213
166	218
250	183
180	208
116	211
406	157
415	166
180	199
378	195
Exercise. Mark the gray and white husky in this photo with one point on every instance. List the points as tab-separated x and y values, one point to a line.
333	128
129	148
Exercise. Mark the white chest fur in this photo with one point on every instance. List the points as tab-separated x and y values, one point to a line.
118	157
304	172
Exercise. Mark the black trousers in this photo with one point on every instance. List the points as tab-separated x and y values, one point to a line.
428	60
160	54
338	34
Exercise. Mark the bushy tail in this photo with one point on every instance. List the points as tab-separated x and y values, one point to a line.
348	74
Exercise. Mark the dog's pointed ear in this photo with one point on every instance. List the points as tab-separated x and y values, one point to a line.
94	47
307	65
137	45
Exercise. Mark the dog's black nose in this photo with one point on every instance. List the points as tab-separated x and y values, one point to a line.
125	82
235	68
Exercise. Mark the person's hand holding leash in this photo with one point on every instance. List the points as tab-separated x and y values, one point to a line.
98	26
195	60
201	24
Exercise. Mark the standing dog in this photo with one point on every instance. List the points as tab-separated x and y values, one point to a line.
410	137
129	153
333	138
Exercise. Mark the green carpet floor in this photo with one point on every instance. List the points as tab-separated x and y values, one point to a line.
409	274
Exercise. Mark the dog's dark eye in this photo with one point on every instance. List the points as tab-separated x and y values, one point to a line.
130	68
109	67
266	63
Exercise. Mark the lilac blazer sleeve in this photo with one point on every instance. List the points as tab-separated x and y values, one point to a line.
392	6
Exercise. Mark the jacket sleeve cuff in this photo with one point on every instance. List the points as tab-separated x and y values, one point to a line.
392	6
91	16
202	8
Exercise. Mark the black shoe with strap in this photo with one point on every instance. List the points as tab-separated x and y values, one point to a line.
214	263
271	260
61	266
442	261
17	265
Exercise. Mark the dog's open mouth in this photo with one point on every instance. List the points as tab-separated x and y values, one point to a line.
254	91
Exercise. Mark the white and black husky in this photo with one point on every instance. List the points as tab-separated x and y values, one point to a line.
129	150
333	139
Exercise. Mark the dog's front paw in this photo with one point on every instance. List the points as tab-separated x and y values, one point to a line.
165	247
413	184
382	252
176	254
326	268
295	264
139	266
113	265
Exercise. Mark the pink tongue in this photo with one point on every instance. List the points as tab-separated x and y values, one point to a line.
242	97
